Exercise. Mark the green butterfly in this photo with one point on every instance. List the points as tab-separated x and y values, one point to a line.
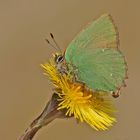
93	57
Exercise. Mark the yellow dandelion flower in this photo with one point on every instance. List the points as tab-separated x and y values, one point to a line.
92	107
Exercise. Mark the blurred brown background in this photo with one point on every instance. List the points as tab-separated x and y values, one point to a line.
24	90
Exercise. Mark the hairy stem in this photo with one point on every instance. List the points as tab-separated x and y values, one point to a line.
49	113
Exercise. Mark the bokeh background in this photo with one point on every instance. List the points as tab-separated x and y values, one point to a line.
24	90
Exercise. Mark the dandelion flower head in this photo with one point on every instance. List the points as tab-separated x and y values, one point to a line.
92	107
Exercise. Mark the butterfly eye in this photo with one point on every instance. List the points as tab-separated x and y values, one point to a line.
59	59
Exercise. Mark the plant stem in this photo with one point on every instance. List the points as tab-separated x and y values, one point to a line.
49	113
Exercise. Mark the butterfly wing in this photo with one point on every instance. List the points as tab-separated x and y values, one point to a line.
95	54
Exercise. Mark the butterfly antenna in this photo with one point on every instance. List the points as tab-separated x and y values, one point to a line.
55	42
50	44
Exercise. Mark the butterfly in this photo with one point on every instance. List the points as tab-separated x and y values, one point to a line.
93	57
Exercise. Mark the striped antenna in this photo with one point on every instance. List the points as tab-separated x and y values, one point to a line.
50	44
55	42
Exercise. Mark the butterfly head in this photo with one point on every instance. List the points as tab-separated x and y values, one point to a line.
60	63
58	58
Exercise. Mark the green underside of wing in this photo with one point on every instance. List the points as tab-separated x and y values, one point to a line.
94	53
